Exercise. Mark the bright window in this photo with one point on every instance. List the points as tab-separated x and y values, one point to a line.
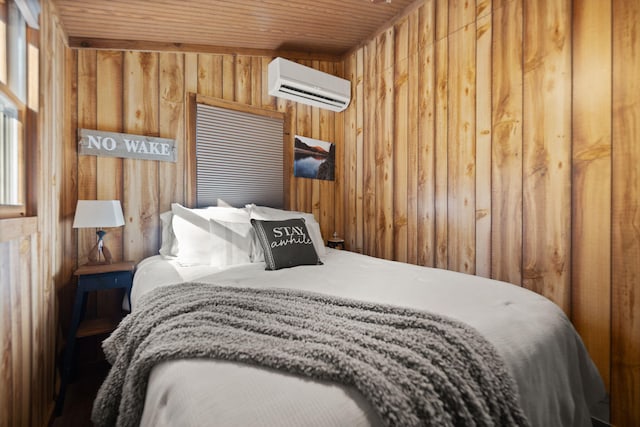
10	155
13	95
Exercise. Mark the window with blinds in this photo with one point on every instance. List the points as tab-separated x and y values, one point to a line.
239	157
15	128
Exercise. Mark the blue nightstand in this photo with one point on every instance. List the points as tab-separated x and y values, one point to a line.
92	278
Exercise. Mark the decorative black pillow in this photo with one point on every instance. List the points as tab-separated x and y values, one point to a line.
285	243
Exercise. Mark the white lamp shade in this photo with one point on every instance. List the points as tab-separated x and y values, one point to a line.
98	214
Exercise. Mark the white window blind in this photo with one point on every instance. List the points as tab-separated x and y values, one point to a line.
17	52
239	158
9	153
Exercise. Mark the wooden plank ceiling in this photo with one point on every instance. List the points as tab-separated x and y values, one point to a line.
329	27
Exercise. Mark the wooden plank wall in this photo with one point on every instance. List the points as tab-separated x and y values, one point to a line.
19	277
625	218
485	137
592	181
30	252
514	155
145	93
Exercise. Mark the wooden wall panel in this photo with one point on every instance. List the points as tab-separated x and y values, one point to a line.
258	75
47	253
384	143
359	105
327	206
269	101
69	194
547	151
228	77
31	247
441	149
108	179
22	329
461	151
6	375
483	8
353	157
242	80
413	143
88	180
191	74
591	188
15	322
17	354
400	146
337	191
209	73
109	118
87	165
288	141
514	159
483	146
171	122
625	237
304	186
461	13
350	157
313	185
426	135
140	177
369	156
506	144
441	19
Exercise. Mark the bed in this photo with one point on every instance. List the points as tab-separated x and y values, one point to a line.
556	382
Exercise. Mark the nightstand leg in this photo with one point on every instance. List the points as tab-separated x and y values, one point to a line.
78	311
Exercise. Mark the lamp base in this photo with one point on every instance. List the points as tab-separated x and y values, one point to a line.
94	255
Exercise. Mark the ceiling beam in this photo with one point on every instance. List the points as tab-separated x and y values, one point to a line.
114	44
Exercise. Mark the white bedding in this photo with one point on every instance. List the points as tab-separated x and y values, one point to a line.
557	380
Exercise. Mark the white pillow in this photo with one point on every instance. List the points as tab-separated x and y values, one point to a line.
223	213
232	242
168	247
267	213
196	243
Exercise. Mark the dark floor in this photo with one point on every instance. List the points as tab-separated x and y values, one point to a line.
80	395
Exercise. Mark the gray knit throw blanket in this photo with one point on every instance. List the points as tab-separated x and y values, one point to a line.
415	368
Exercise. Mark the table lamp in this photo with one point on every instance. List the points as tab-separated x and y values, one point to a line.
98	214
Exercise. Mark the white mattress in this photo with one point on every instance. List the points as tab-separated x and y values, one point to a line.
557	380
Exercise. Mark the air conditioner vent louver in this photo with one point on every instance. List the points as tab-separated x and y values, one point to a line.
312	96
309	86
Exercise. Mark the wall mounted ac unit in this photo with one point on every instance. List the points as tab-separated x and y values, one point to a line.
309	86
